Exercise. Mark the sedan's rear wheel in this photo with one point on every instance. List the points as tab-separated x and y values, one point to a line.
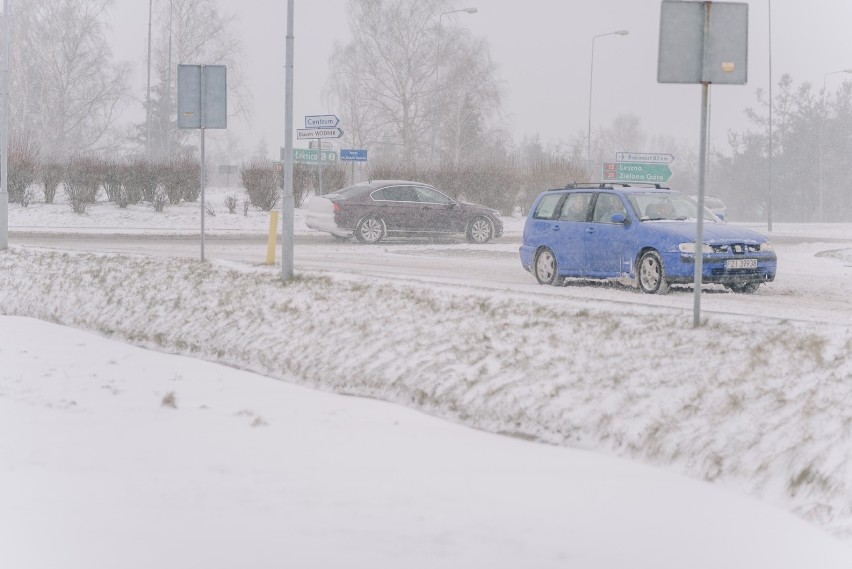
370	230
652	276
544	268
479	230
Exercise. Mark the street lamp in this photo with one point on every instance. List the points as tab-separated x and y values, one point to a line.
148	92
591	78
437	68
821	120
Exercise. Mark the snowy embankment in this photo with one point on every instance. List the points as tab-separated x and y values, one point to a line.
760	409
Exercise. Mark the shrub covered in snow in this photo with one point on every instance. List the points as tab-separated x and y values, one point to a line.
262	185
50	175
82	183
23	168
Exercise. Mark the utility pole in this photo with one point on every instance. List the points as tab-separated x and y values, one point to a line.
4	135
287	205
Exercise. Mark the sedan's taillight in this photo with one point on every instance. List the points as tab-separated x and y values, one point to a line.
335	207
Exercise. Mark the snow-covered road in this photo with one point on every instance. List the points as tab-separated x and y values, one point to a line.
814	281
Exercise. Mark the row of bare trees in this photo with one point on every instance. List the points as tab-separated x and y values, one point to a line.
84	177
70	94
414	86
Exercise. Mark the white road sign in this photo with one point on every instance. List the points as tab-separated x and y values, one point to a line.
321	121
644	157
308	133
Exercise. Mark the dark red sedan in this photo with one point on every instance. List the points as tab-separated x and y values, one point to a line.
398	208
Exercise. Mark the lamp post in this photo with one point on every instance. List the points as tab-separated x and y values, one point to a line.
4	133
821	120
769	122
148	91
591	82
437	69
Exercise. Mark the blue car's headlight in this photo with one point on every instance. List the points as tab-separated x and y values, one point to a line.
766	246
689	248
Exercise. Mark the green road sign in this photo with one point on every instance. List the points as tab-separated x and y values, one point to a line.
636	172
313	156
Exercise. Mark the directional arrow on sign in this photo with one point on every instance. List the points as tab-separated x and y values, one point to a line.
644	157
308	133
321	121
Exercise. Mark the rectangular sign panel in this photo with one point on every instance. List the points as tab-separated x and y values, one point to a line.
306	133
636	172
207	84
646	157
703	42
311	156
353	154
321	121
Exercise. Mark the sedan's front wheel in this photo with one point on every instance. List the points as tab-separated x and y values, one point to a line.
652	276
479	230
370	230
544	268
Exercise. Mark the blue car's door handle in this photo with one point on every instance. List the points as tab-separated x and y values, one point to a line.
554	227
590	230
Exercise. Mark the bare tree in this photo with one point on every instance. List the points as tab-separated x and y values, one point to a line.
190	32
468	99
68	90
384	81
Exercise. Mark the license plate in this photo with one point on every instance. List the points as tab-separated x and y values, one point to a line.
741	264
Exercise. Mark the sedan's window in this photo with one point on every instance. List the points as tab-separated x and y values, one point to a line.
576	207
395	194
428	195
547	206
607	205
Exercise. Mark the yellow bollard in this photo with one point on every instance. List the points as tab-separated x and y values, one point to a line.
273	236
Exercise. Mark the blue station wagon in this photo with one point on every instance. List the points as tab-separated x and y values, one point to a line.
645	234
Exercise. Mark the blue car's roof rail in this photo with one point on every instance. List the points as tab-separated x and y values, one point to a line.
608	186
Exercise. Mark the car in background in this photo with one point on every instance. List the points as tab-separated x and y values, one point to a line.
377	209
715	205
642	233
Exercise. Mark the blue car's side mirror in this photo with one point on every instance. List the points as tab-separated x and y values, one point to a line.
618	218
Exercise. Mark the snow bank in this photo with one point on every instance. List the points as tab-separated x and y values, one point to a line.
756	405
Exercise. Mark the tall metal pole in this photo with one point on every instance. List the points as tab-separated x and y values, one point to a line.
287	205
819	145
591	81
4	135
166	127
702	175
148	92
769	193
589	134
437	69
319	164
203	124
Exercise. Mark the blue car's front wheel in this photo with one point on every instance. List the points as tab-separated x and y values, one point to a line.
544	268
652	276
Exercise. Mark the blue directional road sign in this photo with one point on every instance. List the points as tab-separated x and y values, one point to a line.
353	154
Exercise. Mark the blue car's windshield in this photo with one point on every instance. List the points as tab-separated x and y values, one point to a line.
659	206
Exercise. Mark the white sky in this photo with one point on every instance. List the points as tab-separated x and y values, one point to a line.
543	49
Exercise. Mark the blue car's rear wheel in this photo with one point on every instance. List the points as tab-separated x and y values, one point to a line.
744	288
544	268
652	276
